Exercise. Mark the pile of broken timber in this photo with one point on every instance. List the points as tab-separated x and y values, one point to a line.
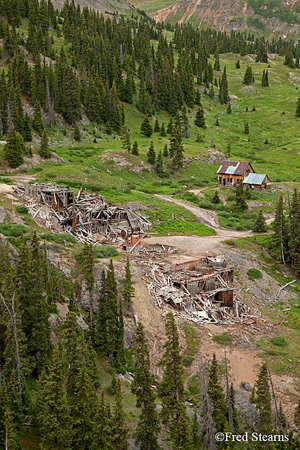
88	217
199	308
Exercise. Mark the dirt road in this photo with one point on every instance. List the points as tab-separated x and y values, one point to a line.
195	245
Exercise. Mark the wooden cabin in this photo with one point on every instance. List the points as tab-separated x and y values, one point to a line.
231	173
257	181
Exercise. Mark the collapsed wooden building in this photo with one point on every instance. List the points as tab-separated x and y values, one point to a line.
86	216
201	290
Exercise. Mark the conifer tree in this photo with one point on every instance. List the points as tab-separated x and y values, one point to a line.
125	137
240	196
102	435
176	150
281	417
44	150
146	128
54	414
279	238
83	404
37	119
248	77
207	426
14	149
135	149
297	414
151	155
185	123
148	426
217	397
119	427
263	404
166	151
246	127
27	129
200	120
77	134
156	126
159	167
223	88
294	241
237	64
128	289
170	126
265	78
71	103
88	262
217	60
172	387
162	132
259	225
298	108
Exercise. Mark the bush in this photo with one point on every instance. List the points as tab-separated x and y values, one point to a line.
100	251
206	204
231	197
254	274
21	209
223	339
280	341
104	251
13	229
224	214
59	238
187	360
6	180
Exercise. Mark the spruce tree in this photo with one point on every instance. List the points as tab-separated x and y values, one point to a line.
14	149
151	155
263	404
125	137
176	150
200	120
172	387
146	128
159	166
298	108
77	134
259	225
37	119
248	77
170	126
246	127
237	64
148	427
71	102
27	135
156	126
240	196
166	151
217	397
294	241
128	289
88	262
54	416
102	435
162	132
44	150
120	429
135	149
297	414
279	238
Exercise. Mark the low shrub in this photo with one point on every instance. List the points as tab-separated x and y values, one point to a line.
21	209
12	229
280	341
225	214
187	360
59	238
206	204
223	339
254	274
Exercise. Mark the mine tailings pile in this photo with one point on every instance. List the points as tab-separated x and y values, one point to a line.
88	217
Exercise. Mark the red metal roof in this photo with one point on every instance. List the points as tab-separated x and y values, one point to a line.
240	167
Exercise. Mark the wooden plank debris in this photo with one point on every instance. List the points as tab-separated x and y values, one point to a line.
88	217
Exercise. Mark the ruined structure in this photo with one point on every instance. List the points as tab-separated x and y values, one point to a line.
87	216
